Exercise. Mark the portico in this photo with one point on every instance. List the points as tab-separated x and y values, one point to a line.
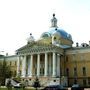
40	64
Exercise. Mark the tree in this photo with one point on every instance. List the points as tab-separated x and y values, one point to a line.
9	85
5	72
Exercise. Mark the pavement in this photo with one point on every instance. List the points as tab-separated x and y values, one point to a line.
32	87
84	88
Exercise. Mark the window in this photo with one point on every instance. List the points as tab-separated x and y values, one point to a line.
10	63
67	72
73	57
89	80
84	82
84	71
15	63
66	58
75	71
15	73
11	72
35	71
75	80
44	35
54	38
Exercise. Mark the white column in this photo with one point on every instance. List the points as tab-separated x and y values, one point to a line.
28	66
58	64
18	66
24	66
31	65
46	65
38	65
54	64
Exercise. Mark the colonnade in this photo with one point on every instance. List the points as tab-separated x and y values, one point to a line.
55	60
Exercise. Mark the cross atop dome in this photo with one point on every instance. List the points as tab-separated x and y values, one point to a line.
54	21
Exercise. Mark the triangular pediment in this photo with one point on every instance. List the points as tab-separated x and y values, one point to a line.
35	47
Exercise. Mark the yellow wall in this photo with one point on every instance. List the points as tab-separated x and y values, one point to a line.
78	59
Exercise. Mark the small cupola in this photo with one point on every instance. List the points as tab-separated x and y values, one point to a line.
30	39
54	21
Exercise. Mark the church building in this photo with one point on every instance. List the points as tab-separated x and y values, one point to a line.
52	58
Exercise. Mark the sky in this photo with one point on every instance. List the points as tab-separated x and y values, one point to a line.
19	18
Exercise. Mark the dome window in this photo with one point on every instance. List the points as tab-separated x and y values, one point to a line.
44	35
54	38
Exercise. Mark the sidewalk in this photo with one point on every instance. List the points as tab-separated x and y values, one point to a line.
84	88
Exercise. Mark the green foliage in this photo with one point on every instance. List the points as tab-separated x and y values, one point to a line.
17	79
9	84
5	72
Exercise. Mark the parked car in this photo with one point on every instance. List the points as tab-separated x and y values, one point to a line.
55	87
76	87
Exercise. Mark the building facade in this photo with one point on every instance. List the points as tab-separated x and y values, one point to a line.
52	59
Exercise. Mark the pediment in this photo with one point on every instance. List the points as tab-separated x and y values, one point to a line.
34	45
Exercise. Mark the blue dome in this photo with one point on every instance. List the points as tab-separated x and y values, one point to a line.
62	33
